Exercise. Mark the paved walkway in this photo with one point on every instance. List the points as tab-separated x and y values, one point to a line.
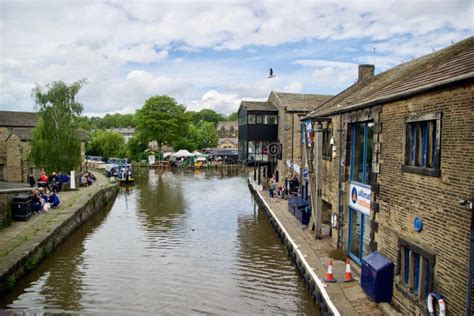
349	298
20	237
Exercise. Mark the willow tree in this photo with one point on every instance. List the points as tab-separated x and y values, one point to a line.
56	144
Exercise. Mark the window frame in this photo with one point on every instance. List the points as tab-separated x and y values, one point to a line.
416	279
366	167
327	146
408	164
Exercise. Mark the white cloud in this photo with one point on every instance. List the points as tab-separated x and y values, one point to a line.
328	73
219	102
127	49
143	54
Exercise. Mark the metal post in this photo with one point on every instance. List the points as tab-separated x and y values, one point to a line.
471	262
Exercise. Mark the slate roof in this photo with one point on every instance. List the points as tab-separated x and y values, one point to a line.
258	106
452	64
18	119
298	102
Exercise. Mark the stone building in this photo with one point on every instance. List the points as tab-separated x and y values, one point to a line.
291	107
126	132
15	134
227	134
404	144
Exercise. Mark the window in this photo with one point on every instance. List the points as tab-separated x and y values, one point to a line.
422	144
251	118
327	146
243	120
259	119
270	119
415	267
361	158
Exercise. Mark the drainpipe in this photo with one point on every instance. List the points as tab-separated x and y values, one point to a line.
471	262
292	138
339	186
319	178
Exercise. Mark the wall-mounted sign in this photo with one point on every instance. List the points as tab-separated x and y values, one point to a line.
418	224
359	198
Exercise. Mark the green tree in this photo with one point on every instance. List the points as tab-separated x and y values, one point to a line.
197	137
232	117
207	115
136	147
107	144
56	145
161	119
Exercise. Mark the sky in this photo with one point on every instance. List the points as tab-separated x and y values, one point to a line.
211	54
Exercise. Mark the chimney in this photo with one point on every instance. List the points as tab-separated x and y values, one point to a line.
366	72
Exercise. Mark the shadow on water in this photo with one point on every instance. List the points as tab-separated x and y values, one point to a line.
56	282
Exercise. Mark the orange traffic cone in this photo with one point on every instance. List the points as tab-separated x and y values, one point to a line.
329	276
348	275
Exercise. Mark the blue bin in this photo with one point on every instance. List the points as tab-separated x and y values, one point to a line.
303	214
377	277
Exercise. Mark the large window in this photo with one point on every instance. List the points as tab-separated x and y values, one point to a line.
252	118
415	267
270	119
258	151
422	144
362	145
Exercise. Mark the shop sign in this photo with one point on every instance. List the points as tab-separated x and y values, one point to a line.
151	160
359	198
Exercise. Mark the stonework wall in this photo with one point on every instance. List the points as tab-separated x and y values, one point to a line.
289	135
403	195
17	159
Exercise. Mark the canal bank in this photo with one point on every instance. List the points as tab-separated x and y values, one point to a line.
24	244
311	259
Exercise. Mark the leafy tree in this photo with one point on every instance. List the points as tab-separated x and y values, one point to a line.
107	144
202	135
206	136
233	117
56	145
207	115
136	147
161	119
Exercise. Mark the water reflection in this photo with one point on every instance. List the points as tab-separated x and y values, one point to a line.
176	243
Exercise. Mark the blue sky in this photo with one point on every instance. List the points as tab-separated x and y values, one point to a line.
211	54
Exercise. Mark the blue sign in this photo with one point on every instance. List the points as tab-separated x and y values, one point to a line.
354	195
418	224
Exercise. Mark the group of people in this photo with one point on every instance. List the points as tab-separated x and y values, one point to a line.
41	202
52	184
87	179
282	190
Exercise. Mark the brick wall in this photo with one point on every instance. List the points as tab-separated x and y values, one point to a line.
405	195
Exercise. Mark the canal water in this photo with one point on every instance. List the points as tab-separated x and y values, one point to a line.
174	244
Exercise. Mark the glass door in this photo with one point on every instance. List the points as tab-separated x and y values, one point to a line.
361	136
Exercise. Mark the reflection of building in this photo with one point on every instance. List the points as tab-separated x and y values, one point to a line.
15	135
227	133
396	152
126	132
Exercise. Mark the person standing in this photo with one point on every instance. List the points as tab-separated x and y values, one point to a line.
31	179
